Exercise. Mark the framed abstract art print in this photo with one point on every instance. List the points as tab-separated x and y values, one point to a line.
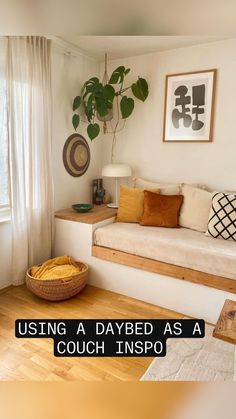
189	106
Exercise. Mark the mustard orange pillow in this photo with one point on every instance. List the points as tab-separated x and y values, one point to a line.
161	210
130	204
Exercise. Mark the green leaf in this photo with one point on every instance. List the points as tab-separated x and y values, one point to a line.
89	107
76	103
89	83
89	113
102	106
126	106
140	89
90	101
93	131
117	75
120	69
127	71
93	80
114	78
97	88
109	92
75	121
89	89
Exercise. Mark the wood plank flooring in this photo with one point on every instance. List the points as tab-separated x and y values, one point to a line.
32	359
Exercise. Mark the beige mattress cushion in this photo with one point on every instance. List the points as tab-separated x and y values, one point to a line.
177	246
165	188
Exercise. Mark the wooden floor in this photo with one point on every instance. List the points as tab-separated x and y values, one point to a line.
32	359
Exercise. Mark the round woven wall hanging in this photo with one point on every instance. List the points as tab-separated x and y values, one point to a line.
76	155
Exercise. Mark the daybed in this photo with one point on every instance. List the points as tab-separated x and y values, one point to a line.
177	246
180	269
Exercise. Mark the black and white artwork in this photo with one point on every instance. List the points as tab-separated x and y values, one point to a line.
189	106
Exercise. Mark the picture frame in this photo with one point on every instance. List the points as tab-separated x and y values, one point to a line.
189	106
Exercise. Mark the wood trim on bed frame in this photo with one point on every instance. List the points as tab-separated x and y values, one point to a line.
162	268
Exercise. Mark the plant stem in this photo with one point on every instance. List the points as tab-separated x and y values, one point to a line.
115	130
118	130
122	91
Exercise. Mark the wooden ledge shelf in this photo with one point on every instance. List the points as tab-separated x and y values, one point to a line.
225	328
162	268
97	214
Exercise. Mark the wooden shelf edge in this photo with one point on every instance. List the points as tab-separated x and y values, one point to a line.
96	215
150	265
224	338
225	326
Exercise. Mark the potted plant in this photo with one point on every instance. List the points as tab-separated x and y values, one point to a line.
98	99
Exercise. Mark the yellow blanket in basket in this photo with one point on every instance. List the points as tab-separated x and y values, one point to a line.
59	267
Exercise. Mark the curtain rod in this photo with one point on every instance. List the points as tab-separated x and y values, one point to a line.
61	44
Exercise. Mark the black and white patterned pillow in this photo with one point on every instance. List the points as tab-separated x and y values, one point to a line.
222	219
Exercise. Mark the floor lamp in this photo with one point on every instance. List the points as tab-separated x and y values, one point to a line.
116	171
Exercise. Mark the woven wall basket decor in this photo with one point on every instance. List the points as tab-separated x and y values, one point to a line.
76	155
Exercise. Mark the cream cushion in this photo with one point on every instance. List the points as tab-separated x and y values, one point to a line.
177	246
196	207
196	185
130	204
165	188
222	218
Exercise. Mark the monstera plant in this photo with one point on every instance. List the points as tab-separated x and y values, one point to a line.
99	99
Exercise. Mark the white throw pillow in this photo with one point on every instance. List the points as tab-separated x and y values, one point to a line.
195	209
222	218
165	188
196	185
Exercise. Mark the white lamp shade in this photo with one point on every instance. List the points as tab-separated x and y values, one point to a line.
116	170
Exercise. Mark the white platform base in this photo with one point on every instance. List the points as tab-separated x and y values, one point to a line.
191	299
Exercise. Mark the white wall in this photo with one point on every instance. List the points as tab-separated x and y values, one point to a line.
140	143
68	74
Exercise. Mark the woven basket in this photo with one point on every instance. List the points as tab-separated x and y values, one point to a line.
58	289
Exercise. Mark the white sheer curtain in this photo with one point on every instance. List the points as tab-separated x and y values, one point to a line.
4	195
29	110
